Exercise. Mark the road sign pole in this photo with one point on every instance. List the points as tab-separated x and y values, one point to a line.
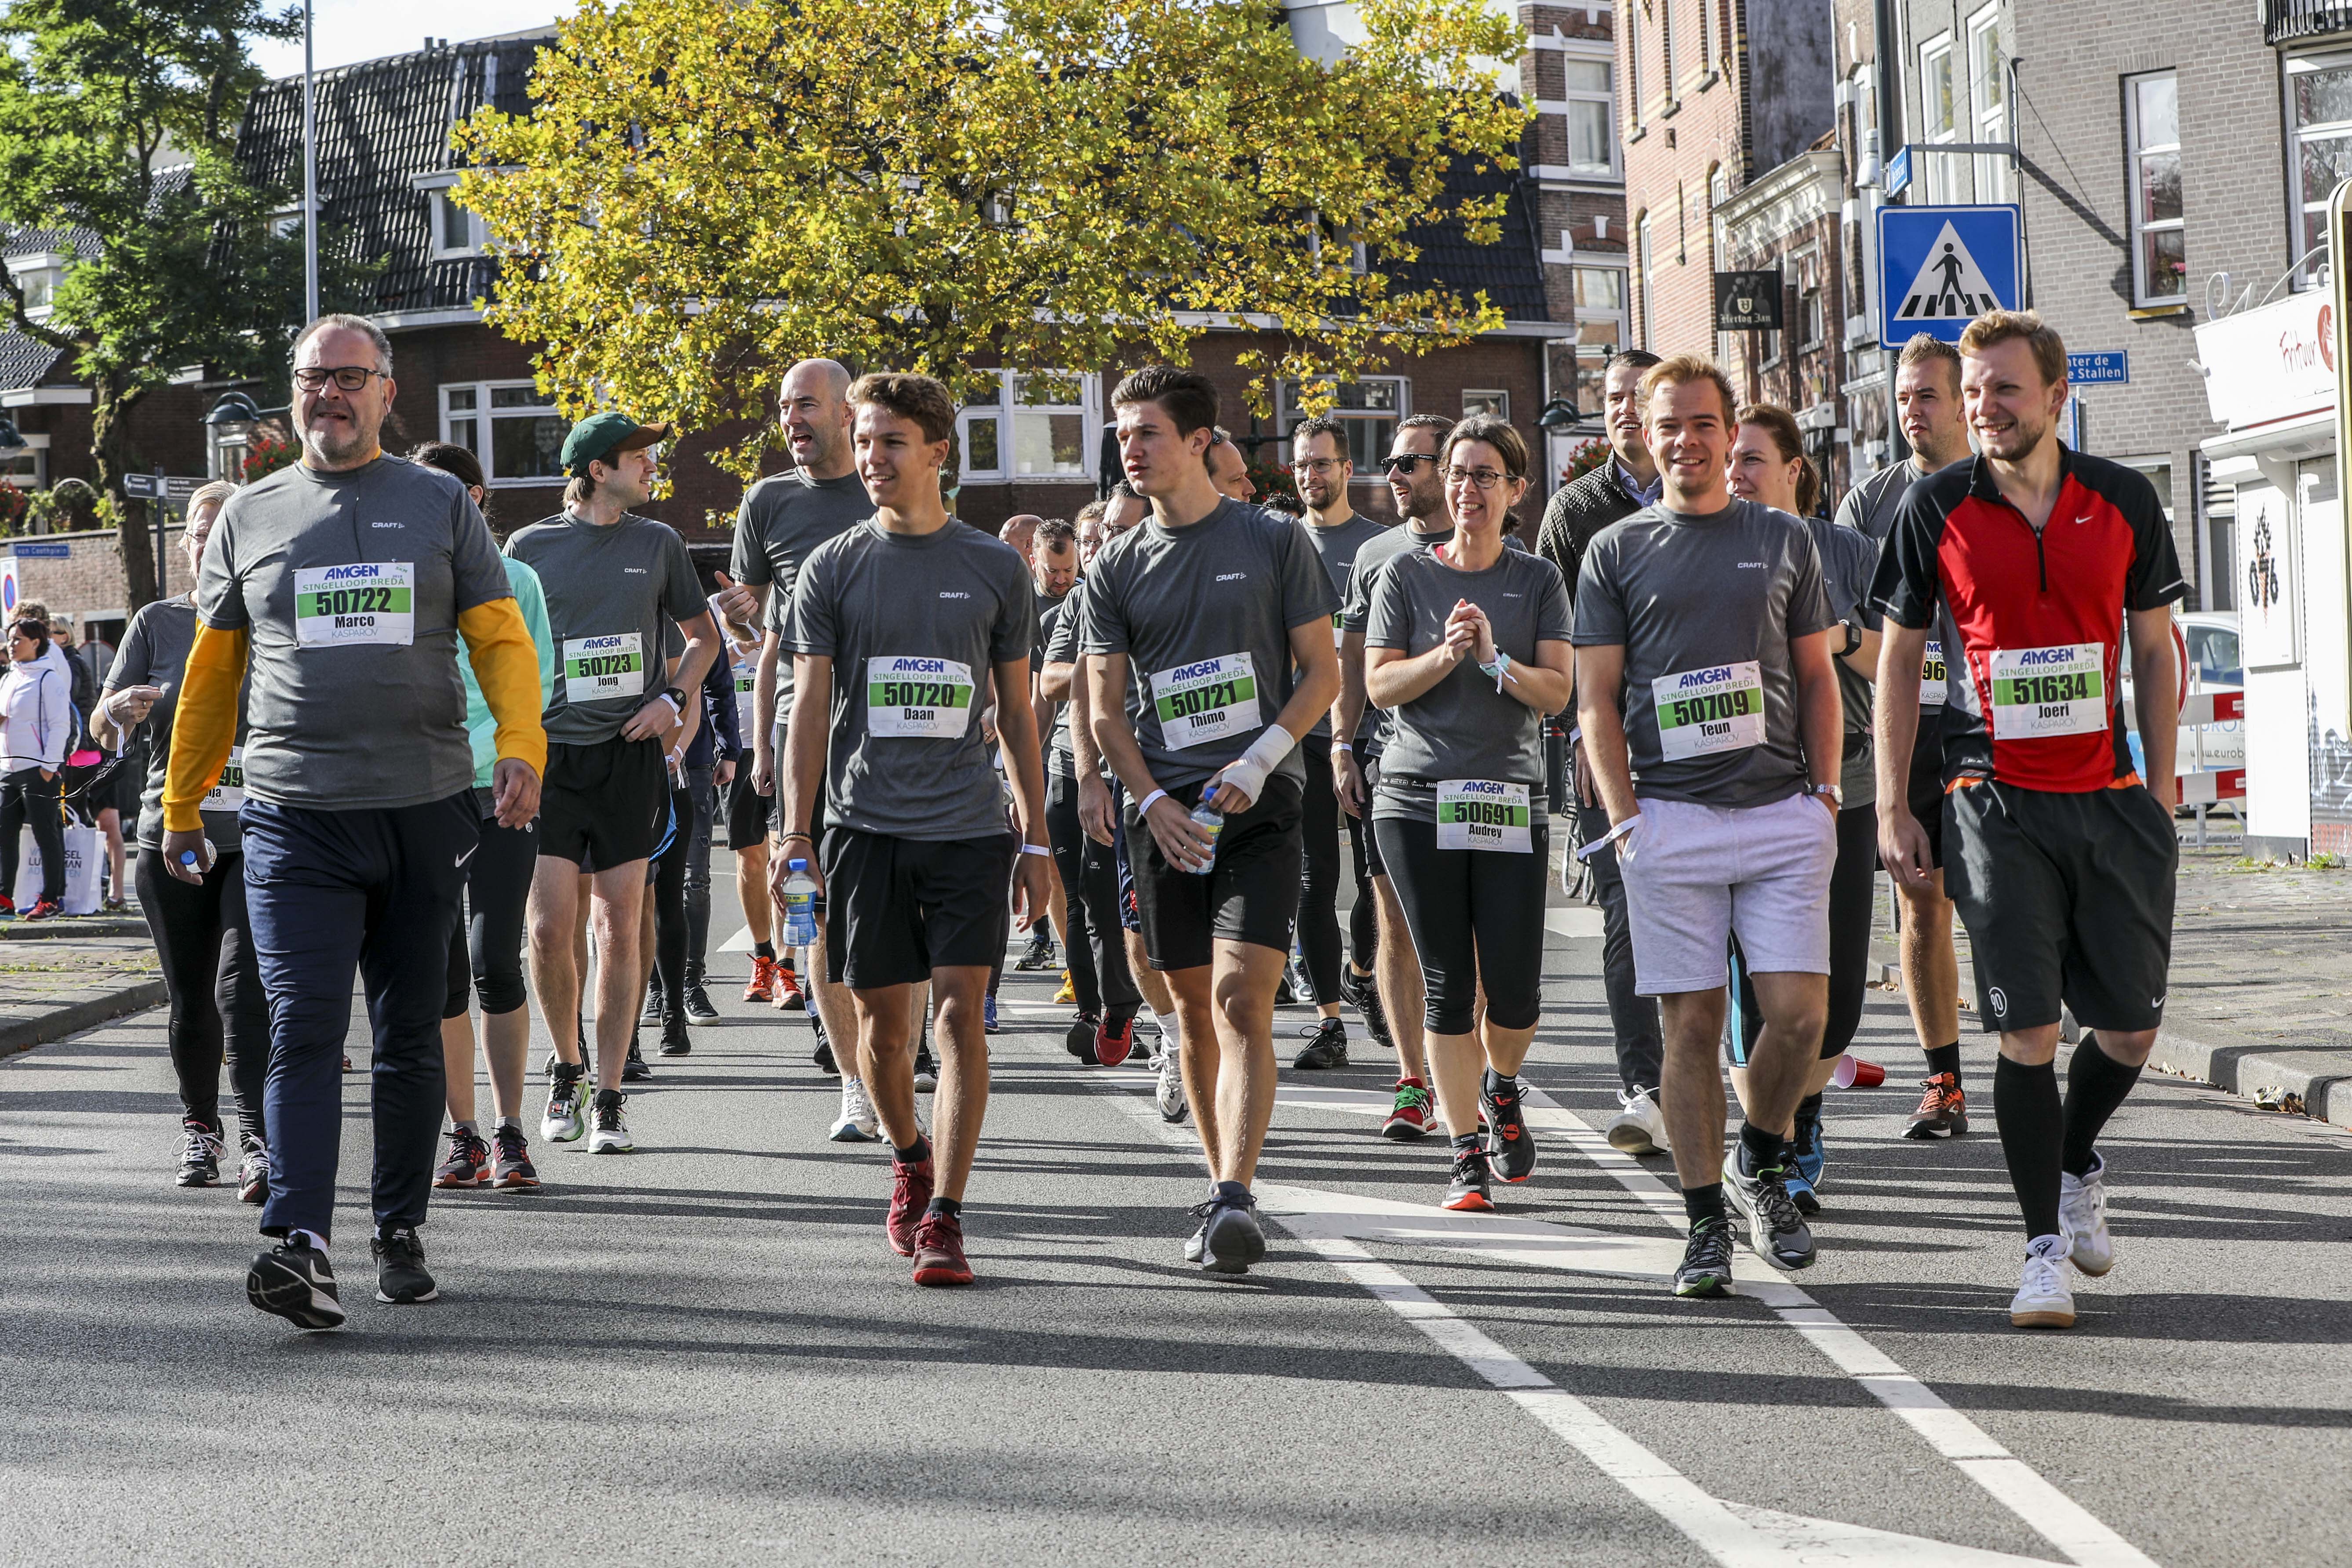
155	508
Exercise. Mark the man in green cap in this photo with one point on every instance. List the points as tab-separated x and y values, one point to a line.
617	583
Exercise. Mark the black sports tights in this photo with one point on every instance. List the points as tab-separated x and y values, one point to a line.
214	978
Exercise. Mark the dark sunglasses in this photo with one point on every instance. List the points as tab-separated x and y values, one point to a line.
1405	463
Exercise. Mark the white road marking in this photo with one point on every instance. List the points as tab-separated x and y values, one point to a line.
1577	921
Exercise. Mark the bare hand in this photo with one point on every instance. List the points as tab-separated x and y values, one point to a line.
723	773
1094	809
657	721
1585	791
188	842
1903	847
1347	782
763	770
780	866
1180	839
129	706
736	602
514	792
1033	889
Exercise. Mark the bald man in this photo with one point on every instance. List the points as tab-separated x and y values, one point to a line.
1228	469
1021	532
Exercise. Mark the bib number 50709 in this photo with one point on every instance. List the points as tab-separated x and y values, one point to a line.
1216	698
1701	711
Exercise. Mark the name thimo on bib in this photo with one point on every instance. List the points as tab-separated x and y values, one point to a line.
1208	701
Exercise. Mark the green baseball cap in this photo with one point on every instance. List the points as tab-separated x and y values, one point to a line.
597	437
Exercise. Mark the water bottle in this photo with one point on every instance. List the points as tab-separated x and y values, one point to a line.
1211	821
800	906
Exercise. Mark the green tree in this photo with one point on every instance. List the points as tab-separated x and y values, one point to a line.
120	118
702	197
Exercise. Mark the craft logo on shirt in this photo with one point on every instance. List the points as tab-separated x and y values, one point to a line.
384	525
953	594
1232	576
634	571
1751	566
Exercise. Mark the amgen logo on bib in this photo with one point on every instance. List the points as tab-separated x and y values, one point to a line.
2046	656
596	645
353	574
918	667
1703	678
1186	672
1481	787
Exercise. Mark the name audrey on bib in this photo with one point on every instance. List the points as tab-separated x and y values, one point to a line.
1480	813
368	602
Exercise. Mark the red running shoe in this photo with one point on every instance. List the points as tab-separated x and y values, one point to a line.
1411	1115
789	996
763	987
1111	1047
938	1251
910	1195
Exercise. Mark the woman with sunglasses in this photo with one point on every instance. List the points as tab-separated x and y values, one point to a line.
1767	464
1468	645
211	974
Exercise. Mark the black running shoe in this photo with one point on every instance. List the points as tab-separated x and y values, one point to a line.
400	1276
1363	993
823	1054
1081	1041
675	1042
1467	1191
927	1067
1232	1240
636	1069
1706	1261
1512	1146
697	1005
1775	1228
1039	955
651	1011
294	1280
200	1154
1327	1046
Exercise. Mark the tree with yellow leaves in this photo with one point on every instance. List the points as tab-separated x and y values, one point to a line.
705	194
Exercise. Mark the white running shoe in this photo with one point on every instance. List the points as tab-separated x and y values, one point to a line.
610	1135
1169	1088
2042	1300
857	1123
1640	1126
2082	1218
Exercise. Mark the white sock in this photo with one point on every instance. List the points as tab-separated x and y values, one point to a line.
1167	1023
308	1237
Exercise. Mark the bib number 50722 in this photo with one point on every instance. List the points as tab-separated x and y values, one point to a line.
367	602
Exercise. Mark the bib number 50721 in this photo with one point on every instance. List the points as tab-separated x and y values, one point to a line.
1208	701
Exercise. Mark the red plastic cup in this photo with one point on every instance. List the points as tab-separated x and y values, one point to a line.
1852	1072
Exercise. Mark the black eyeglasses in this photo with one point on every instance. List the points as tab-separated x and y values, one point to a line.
346	377
1406	462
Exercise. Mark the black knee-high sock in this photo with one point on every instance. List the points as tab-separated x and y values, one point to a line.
2095	1084
2033	1125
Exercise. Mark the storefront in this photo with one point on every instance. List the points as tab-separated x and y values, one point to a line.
2271	380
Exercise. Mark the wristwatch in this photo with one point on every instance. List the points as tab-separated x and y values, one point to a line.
1853	640
1836	794
677	700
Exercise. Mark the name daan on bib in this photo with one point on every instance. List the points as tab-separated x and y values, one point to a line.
370	602
920	699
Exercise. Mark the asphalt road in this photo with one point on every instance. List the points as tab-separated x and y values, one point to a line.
705	1353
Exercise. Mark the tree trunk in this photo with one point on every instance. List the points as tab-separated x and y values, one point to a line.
110	452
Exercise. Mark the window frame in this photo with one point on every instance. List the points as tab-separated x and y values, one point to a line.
1987	102
1805	275
484	414
1629	19
477	231
1572	96
2301	213
1288	412
37	447
1494	400
1937	183
1645	267
1005	412
1666	15
2135	155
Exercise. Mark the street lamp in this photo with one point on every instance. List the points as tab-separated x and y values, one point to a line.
1559	414
234	415
11	440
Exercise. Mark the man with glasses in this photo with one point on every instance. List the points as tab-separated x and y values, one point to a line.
1618	489
350	578
614	583
1322	470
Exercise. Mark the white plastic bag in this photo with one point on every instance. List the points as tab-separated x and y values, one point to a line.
82	850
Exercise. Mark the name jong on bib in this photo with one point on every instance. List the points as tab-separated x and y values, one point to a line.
603	667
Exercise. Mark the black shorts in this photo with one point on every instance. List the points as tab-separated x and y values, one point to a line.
897	908
603	805
751	816
1250	894
1925	793
2067	899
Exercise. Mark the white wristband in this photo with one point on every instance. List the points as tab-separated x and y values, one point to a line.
1342	746
1615	834
1034	850
1150	801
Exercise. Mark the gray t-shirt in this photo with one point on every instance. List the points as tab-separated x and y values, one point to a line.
1849	560
1058	631
783	519
1336	546
1704	607
1373	728
1462	727
155	653
350	585
612	595
913	624
1204	614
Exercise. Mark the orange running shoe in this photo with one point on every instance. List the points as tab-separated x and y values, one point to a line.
1943	1108
763	987
790	998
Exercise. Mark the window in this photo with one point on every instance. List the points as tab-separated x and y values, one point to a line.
1665	11
1370	408
1040	427
1935	116
1645	258
1632	26
1496	403
2319	105
28	469
457	232
523	441
1988	90
2159	253
37	277
1591	116
1811	319
1718	191
286	223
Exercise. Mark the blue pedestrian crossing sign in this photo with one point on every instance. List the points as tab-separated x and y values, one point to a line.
1941	268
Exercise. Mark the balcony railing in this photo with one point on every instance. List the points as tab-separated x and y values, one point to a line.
2284	21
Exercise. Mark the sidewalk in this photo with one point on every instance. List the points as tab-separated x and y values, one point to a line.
2261	1002
63	976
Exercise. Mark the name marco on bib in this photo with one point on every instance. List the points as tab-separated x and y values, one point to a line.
1208	701
367	602
1701	711
597	667
909	697
2039	691
1481	814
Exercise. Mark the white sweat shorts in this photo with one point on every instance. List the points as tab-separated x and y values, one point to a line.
1697	874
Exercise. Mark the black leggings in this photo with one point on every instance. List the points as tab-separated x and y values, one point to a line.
1472	913
669	901
1318	882
697	869
214	978
1097	943
1852	892
486	942
27	799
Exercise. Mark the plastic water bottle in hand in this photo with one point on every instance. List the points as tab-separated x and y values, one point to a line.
800	906
1211	821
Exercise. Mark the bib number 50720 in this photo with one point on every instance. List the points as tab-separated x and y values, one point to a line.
908	697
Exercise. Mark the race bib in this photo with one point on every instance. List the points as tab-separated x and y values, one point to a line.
921	699
228	795
1207	701
1479	814
1701	711
599	668
373	601
2039	691
747	678
1932	688
1338	632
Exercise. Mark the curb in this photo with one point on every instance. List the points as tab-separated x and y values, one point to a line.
74	928
76	1017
